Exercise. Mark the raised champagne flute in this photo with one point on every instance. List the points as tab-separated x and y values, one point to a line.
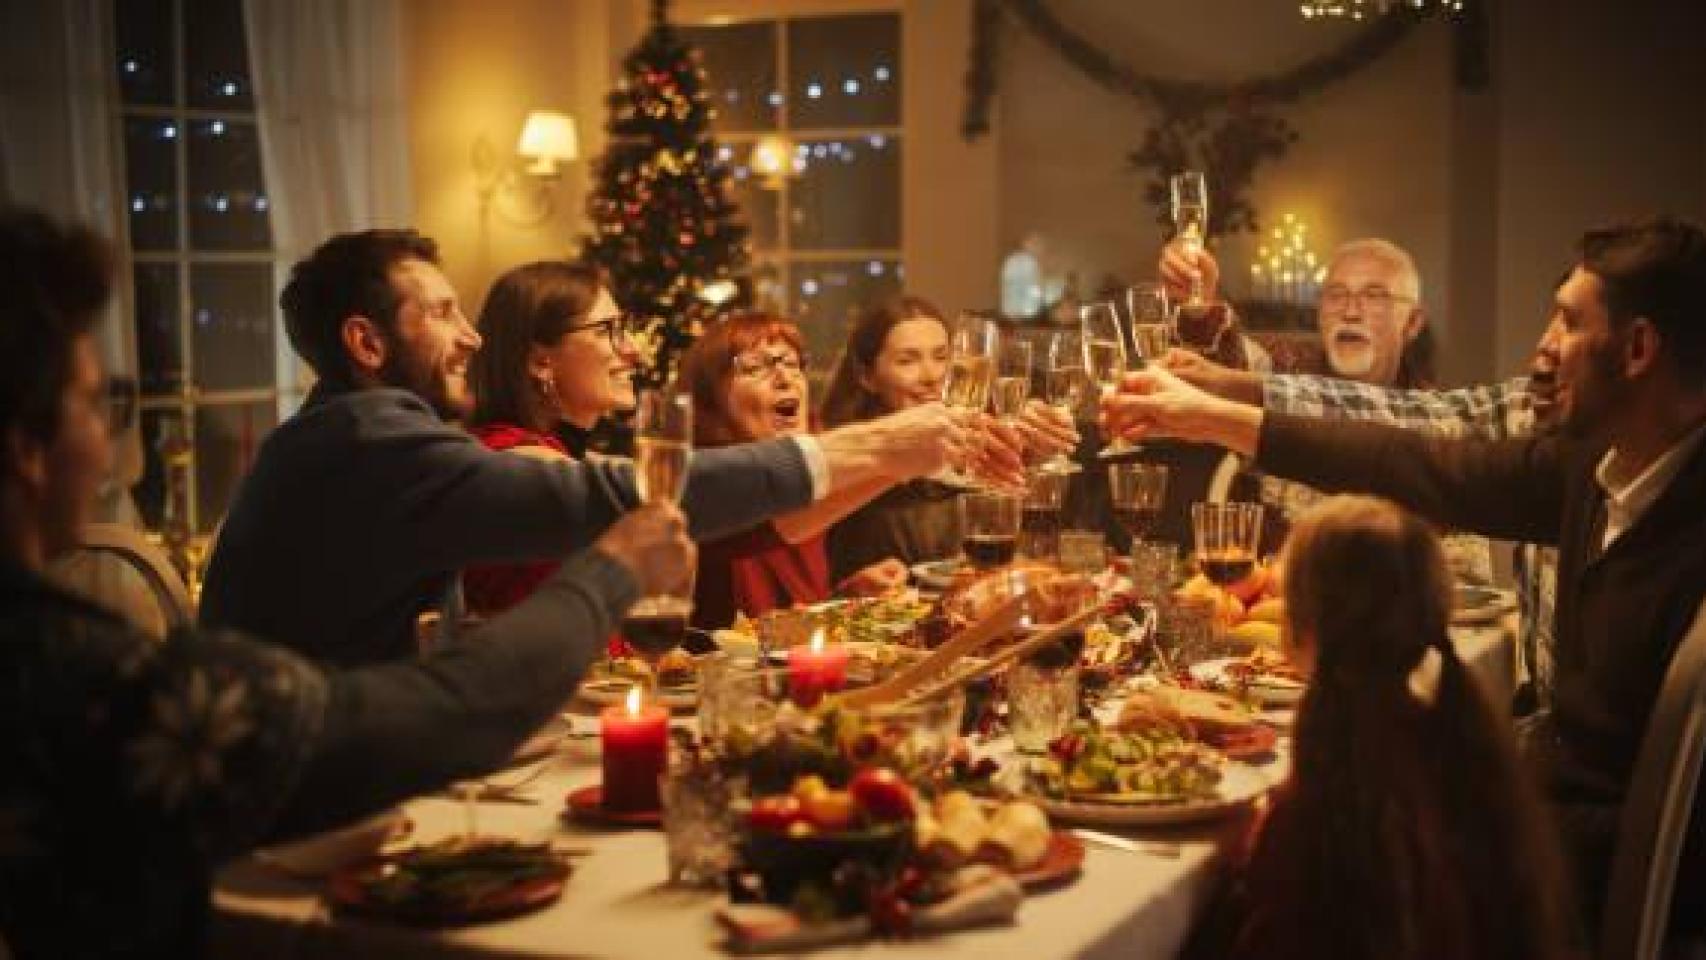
1227	537
1104	354
1012	380
663	442
1151	321
974	346
1137	492
1189	192
1066	386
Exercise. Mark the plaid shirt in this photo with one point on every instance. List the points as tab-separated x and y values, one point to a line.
1491	411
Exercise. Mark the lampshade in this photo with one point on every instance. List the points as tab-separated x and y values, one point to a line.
549	138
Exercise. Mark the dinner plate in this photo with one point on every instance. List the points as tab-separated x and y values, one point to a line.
608	692
1239	786
936	575
1471	604
1266	689
350	890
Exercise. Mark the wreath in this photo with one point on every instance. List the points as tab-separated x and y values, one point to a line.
1227	129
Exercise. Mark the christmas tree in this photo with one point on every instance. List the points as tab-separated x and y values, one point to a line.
666	226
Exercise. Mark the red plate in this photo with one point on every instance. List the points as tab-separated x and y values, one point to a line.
587	806
1252	743
1059	866
347	891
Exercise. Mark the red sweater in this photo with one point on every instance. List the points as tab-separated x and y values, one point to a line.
493	588
756	571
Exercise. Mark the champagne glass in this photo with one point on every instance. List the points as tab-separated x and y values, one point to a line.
1067	386
1227	535
971	372
663	442
1137	491
1104	354
1151	321
1190	216
1012	380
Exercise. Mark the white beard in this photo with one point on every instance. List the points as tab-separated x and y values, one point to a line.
1354	359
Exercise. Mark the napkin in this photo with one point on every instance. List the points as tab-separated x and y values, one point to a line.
982	895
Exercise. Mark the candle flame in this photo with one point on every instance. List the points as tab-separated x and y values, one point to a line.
817	640
634	700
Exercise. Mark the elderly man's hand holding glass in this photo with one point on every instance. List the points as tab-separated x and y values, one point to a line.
1155	403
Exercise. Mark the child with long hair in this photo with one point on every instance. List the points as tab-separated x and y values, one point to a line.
1407	829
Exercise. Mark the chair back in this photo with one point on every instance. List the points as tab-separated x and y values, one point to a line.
130	546
1656	812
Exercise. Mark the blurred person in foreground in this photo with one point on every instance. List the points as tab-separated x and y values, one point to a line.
1366	850
135	767
1617	488
364	507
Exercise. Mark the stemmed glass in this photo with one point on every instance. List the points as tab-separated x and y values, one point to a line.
1151	320
1012	380
1190	216
1066	385
1227	536
663	442
989	527
971	372
1104	354
1137	492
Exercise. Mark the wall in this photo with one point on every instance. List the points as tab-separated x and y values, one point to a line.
475	70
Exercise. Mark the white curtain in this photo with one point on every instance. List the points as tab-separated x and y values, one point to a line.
57	130
329	91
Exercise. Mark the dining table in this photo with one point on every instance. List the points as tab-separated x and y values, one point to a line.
1136	896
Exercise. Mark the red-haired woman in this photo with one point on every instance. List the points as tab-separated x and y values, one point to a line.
746	376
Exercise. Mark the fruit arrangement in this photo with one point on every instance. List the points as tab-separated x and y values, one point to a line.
1251	611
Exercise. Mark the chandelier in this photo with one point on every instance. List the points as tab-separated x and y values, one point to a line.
1365	9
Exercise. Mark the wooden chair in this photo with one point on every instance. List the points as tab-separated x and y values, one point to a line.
1657	810
130	546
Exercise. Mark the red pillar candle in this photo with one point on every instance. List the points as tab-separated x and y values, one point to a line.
636	747
816	669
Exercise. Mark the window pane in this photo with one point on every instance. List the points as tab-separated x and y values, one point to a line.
145	50
757	200
232	326
826	295
740	67
150	152
848	196
844	71
226	436
228	203
150	491
158	350
216	56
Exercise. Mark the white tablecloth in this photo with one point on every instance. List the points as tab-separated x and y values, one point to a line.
1125	904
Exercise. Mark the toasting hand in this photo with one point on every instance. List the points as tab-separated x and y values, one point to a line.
1155	403
652	543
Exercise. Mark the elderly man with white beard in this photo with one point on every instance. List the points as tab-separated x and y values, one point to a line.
1373	330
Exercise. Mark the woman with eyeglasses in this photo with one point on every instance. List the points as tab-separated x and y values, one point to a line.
555	358
746	376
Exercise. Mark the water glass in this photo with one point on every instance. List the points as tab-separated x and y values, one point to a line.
1083	551
1185	633
700	828
1042	702
1154	569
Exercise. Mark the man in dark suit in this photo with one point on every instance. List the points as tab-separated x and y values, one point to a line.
1618	489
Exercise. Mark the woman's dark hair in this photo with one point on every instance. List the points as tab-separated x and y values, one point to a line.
54	282
348	275
846	400
533	305
1410	830
709	363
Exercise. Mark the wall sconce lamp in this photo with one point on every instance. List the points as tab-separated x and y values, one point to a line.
520	192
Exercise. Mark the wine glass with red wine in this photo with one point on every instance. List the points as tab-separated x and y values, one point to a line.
989	527
663	443
1137	492
1227	536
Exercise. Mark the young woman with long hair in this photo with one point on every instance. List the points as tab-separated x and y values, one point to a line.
897	356
1407	830
555	358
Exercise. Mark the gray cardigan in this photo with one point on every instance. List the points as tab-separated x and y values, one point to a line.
361	508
